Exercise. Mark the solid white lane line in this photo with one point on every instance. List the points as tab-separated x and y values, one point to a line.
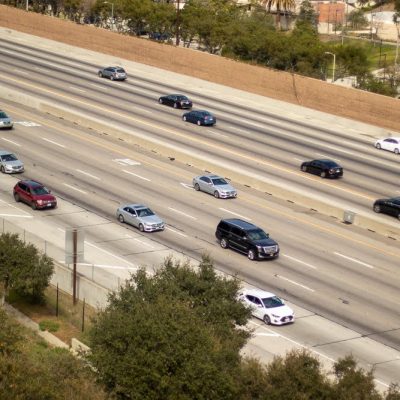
55	143
299	261
266	334
21	72
214	132
177	232
110	254
15	207
238	129
325	156
182	213
74	188
294	283
77	89
137	176
16	215
98	86
233	213
354	260
87	174
10	141
108	266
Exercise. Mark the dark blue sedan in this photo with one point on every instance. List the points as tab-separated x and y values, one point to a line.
199	117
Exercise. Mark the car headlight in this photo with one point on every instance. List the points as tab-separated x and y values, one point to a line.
40	202
259	248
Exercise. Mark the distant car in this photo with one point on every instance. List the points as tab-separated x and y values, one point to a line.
34	194
323	168
267	306
215	185
9	163
390	144
200	117
176	101
113	73
141	217
5	121
388	206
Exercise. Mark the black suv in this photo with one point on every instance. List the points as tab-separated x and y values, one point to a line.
246	238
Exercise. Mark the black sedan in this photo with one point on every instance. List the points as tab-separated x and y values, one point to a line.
176	101
323	168
388	206
200	117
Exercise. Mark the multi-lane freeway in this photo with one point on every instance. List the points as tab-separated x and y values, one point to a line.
341	272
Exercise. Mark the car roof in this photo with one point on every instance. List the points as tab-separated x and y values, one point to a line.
212	176
258	292
327	161
240	223
4	152
135	206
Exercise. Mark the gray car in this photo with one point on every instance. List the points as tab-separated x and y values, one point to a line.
5	121
113	73
215	185
141	217
9	163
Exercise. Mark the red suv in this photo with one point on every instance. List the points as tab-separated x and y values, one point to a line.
34	194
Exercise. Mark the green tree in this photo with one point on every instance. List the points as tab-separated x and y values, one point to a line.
357	19
280	5
171	335
307	14
23	268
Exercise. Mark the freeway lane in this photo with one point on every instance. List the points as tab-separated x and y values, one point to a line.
270	147
336	271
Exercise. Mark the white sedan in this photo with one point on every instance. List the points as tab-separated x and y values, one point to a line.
267	306
390	144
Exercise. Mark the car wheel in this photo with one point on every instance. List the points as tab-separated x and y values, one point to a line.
224	243
160	101
111	78
251	255
175	105
396	151
16	197
304	168
323	174
196	187
198	122
184	117
378	146
2	169
141	228
33	205
267	320
377	208
121	218
216	194
100	74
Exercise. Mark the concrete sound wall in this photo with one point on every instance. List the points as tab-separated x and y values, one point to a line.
346	102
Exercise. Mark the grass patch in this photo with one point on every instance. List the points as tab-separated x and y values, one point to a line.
49	325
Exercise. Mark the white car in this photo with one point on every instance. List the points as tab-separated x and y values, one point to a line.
391	144
267	306
215	185
141	217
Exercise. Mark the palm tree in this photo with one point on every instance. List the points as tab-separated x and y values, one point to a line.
280	5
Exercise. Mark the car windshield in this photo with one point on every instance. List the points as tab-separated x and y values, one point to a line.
272	302
257	234
3	114
145	212
40	190
219	181
9	157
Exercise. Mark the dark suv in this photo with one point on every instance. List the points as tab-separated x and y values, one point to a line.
34	194
246	238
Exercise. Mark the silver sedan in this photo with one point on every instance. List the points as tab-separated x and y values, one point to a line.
214	185
141	217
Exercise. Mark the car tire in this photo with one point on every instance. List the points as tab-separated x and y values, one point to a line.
160	101
2	169
216	194
396	151
267	320
224	243
100	74
175	105
121	218
34	205
251	255
16	197
378	146
198	122
141	228
111	78
377	208
323	174
304	168
196	187
184	117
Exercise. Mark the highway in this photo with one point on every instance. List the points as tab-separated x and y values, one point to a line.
339	272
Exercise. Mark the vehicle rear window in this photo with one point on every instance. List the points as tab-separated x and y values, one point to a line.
120	70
